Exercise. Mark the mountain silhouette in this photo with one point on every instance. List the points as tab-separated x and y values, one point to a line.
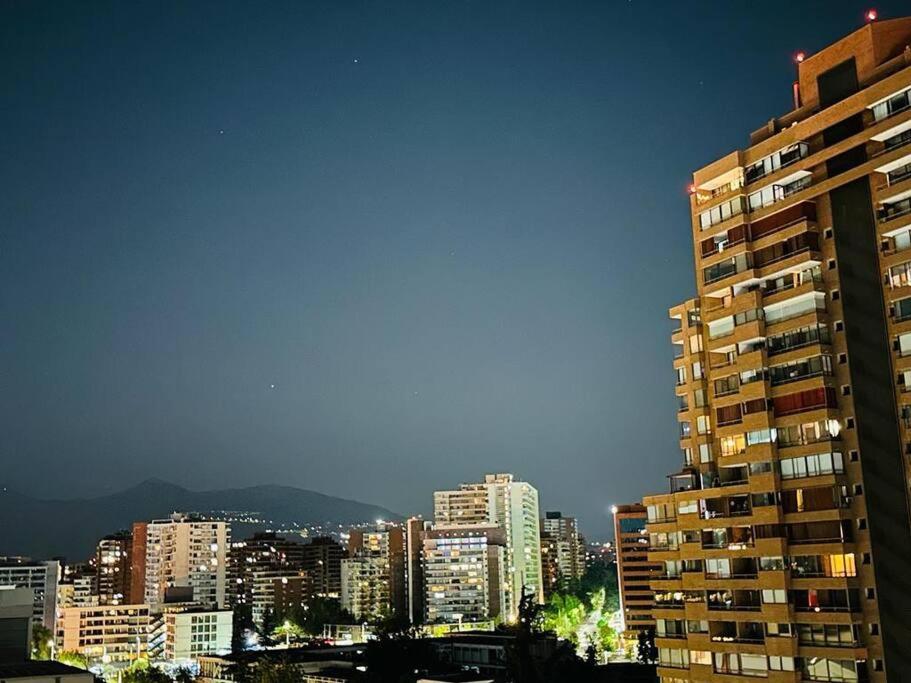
42	528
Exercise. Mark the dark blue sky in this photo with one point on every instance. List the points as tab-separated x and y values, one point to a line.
446	232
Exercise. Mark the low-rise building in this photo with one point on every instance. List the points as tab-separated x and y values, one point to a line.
104	633
193	633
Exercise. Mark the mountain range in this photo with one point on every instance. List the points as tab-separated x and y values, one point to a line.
70	528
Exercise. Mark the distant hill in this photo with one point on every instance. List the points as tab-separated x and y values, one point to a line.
70	528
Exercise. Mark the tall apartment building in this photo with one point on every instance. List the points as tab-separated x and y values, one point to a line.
464	571
373	575
513	505
562	550
178	555
39	577
634	571
254	566
322	560
785	538
113	561
415	530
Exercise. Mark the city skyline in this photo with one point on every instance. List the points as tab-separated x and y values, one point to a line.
296	243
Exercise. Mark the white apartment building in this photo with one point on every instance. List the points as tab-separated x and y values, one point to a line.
41	578
183	552
193	633
511	505
104	633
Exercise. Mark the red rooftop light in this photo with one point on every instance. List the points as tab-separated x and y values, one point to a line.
871	15
799	57
691	189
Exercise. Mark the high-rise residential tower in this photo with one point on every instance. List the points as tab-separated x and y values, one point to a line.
373	575
463	573
112	566
513	505
180	555
322	560
562	549
785	538
634	571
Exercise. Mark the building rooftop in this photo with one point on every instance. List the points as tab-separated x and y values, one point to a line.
33	668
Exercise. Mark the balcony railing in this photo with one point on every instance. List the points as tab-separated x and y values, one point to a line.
759	171
744	607
896	210
797	340
898	175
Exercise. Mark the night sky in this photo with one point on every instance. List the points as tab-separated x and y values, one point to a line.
368	248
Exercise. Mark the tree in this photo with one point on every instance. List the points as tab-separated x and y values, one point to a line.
288	631
646	652
142	672
242	626
321	611
268	671
564	615
41	642
73	659
184	675
608	637
268	626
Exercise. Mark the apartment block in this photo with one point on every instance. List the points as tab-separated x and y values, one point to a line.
255	564
513	505
562	550
415	531
113	562
464	571
104	633
193	633
784	539
322	560
180	555
634	570
373	576
39	577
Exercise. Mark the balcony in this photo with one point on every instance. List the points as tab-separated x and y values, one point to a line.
804	211
773	194
896	142
893	106
817	366
804	242
899	174
790	341
726	268
775	162
895	210
737	600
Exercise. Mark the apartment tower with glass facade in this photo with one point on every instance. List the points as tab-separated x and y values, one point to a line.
785	538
